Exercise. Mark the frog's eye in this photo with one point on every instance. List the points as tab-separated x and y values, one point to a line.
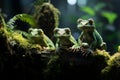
91	21
67	30
40	31
55	30
30	30
79	20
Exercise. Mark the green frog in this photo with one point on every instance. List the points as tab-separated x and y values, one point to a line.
38	37
65	40
89	35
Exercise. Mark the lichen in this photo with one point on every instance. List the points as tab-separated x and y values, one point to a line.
47	17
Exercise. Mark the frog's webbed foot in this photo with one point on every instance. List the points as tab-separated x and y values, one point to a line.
47	49
85	50
103	46
85	45
74	49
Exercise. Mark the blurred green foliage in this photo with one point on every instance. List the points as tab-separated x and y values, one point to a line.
110	16
88	10
92	12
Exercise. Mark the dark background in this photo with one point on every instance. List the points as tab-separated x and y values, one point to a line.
107	26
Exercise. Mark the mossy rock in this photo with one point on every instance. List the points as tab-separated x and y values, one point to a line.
76	66
112	70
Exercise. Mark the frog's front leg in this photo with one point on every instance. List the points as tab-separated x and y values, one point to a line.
80	39
49	47
94	43
85	49
93	46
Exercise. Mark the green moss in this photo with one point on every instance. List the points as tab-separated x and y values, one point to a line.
102	53
101	58
19	39
112	71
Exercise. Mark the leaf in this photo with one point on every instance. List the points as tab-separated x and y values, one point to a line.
23	17
88	10
2	20
111	16
99	6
